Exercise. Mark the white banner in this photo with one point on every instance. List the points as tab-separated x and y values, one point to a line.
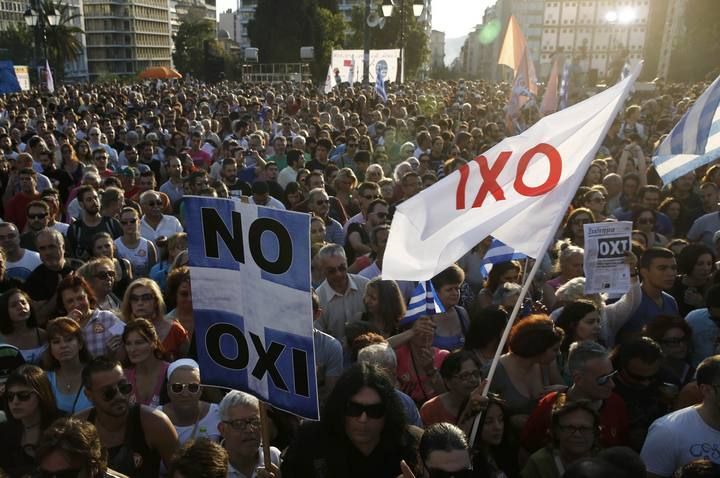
250	270
517	191
349	63
23	75
605	268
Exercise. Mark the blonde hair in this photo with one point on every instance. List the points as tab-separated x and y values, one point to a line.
125	308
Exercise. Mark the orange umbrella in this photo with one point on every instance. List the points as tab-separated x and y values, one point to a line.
159	72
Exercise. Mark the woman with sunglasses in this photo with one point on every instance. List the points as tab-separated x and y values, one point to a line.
132	246
192	417
644	220
64	361
143	300
30	407
101	328
574	432
100	275
596	201
363	431
103	245
573	228
144	368
674	336
18	325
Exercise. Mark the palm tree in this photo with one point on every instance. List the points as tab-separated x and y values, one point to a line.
63	40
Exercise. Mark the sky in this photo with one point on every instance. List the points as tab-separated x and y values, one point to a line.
454	17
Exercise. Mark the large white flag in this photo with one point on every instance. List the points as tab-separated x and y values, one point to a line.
517	191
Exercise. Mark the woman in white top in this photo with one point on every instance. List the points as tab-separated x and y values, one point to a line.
133	247
192	417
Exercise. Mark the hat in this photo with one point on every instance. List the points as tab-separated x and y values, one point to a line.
10	359
185	362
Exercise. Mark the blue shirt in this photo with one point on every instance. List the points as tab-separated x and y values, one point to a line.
704	335
648	310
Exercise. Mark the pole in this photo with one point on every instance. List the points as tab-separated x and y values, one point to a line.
401	56
265	430
366	46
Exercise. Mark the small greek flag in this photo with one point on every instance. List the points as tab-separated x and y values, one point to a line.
380	88
424	301
695	139
564	86
625	71
498	252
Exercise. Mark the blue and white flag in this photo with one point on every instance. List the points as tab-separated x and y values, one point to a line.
694	141
625	72
564	86
380	88
424	301
498	252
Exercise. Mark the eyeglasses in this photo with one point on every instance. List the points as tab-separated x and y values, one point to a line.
320	202
142	298
375	410
645	221
37	216
603	380
573	430
124	388
105	275
243	424
23	396
435	473
674	340
128	221
179	387
468	375
370	197
68	473
333	270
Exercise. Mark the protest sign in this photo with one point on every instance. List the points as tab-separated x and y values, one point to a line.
605	268
250	270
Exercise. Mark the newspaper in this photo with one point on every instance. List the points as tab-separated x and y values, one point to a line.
605	269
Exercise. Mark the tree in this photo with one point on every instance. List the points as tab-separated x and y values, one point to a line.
691	54
63	40
281	27
417	50
16	41
194	39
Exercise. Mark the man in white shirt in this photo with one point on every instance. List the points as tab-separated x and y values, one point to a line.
688	434
240	429
261	196
295	162
19	262
154	223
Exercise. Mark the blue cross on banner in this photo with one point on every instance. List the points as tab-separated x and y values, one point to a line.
695	139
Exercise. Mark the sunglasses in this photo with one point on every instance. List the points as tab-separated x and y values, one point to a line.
435	473
376	410
69	473
23	396
105	275
370	197
320	202
142	298
128	221
179	387
603	380
674	340
37	216
109	393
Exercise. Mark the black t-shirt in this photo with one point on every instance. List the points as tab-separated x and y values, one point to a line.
79	235
42	283
62	181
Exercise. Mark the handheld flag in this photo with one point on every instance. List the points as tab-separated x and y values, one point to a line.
380	88
498	253
694	141
49	82
513	50
549	103
517	191
424	301
564	86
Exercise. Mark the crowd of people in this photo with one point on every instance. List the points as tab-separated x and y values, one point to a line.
98	352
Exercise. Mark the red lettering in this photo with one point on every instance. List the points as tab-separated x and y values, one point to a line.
553	178
462	184
489	177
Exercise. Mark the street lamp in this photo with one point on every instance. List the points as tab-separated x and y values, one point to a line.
387	8
36	19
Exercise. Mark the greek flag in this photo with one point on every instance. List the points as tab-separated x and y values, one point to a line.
424	301
694	141
564	86
498	252
380	88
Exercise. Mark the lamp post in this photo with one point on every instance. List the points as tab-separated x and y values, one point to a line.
38	19
388	7
621	17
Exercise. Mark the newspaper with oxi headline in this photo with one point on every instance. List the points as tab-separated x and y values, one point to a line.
605	268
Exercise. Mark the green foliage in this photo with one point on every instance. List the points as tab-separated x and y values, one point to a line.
417	50
190	46
17	42
281	27
63	40
701	42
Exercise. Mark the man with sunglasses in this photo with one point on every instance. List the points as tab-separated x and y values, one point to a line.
594	380
154	223
690	433
318	203
240	428
136	436
70	448
367	193
38	215
358	235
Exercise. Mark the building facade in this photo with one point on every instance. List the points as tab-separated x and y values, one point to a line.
437	49
126	36
230	22
11	13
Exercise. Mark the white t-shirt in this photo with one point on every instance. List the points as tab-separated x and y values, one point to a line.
21	269
677	439
168	226
207	426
